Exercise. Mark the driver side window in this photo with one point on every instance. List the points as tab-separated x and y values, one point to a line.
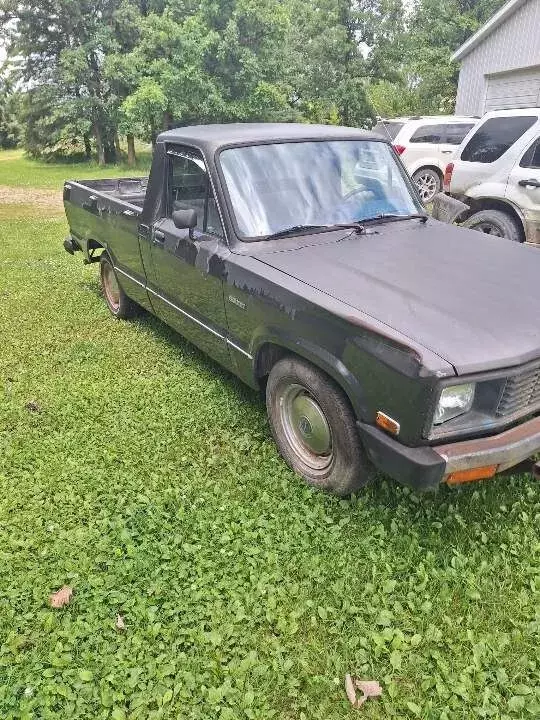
190	189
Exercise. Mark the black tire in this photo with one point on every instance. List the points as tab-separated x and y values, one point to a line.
428	183
496	223
119	304
340	467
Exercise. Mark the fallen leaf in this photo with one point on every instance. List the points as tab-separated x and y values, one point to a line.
350	690
120	624
61	597
32	406
369	688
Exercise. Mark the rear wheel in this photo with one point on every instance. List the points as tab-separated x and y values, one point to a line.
117	301
428	183
495	222
314	427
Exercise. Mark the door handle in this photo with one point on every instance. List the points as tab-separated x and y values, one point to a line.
447	152
529	183
158	237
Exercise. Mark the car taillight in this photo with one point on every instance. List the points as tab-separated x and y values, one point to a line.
448	177
400	149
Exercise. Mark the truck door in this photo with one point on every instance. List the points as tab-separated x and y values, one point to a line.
523	189
185	280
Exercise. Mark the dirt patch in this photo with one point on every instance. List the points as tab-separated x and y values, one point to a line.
34	197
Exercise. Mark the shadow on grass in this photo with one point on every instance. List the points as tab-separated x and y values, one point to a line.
163	333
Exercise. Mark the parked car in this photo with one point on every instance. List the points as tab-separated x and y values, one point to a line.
300	258
425	145
496	172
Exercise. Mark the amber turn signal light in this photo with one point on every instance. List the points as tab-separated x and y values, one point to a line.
387	423
465	476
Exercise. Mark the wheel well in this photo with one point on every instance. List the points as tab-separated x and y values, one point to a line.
267	356
93	255
270	353
430	167
494	204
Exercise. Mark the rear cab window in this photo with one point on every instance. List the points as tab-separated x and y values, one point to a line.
388	130
431	134
495	137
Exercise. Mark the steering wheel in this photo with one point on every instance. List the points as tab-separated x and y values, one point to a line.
370	186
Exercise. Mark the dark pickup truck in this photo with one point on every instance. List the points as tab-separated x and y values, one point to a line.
301	259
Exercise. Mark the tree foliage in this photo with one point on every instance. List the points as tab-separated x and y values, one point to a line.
10	113
89	70
425	79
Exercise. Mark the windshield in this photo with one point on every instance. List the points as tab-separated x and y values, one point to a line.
278	186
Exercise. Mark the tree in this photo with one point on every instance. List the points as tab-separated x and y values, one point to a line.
248	60
436	28
10	128
62	47
329	47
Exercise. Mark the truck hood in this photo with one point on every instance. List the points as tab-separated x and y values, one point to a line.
471	298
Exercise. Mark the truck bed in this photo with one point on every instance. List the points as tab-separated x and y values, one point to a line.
105	214
128	190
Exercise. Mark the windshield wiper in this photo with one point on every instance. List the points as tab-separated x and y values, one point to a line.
354	225
358	225
391	217
293	230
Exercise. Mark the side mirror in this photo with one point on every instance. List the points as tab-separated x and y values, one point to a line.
185	219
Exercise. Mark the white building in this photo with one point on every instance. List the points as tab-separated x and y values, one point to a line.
500	63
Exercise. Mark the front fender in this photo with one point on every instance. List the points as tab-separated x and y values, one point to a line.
318	356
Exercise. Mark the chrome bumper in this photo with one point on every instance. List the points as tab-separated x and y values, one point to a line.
505	450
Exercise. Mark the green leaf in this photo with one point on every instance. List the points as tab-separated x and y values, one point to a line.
516	702
86	675
414	708
395	659
215	695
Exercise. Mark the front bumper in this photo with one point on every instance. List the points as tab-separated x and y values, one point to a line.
427	467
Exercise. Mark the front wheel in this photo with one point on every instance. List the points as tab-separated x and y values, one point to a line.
494	222
314	427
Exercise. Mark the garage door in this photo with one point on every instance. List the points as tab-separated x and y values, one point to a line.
513	90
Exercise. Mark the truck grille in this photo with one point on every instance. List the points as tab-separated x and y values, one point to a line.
521	394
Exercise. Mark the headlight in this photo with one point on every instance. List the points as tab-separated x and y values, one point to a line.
454	400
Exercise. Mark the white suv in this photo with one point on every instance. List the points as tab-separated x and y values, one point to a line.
426	144
496	172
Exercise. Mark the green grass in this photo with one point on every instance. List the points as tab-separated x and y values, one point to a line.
149	483
18	170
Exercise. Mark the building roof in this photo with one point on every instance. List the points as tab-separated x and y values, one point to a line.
492	24
218	135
